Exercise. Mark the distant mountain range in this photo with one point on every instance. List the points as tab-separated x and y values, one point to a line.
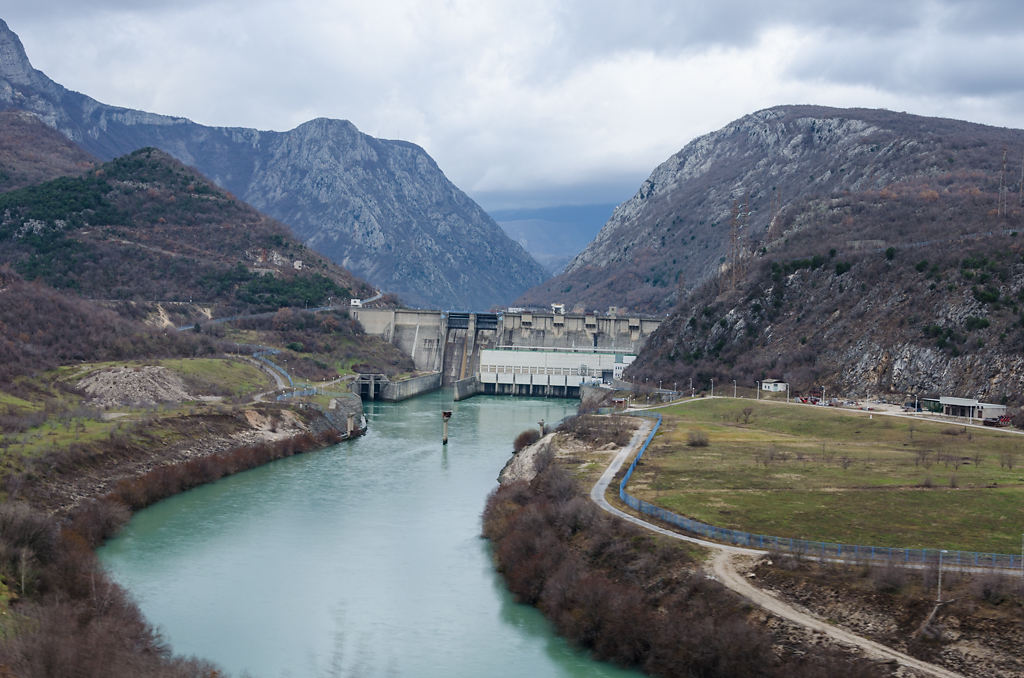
554	235
676	231
383	209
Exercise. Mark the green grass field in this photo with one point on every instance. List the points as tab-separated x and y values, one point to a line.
836	475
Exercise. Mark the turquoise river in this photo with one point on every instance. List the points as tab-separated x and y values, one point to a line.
363	559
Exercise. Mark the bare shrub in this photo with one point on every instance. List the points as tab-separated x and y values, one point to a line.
697	438
994	587
888	577
598	430
525	439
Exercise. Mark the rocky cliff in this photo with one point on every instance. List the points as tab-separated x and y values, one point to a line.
382	209
676	231
911	290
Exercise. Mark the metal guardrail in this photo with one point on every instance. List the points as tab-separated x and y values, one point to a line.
817	549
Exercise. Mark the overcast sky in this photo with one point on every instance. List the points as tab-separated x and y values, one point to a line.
525	102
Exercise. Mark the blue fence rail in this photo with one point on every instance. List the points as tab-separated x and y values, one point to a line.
817	549
261	356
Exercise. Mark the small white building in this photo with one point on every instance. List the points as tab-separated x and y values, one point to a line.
970	408
774	385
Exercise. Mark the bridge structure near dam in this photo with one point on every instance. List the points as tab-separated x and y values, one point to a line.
514	352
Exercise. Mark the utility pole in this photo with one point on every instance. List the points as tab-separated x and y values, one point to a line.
938	599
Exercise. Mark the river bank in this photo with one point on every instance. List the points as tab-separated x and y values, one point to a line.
60	614
60	481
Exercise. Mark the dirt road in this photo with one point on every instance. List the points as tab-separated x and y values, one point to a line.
724	570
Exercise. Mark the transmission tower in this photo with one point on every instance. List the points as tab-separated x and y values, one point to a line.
1001	200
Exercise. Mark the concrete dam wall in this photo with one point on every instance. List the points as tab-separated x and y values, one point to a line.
450	344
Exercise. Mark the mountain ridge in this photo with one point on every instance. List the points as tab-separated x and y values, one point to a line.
674	233
381	208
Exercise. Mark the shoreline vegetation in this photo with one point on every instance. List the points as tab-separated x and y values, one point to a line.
642	601
68	617
630	597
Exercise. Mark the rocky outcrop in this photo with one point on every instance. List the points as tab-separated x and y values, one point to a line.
382	209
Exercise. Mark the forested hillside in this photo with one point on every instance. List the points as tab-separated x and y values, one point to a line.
145	227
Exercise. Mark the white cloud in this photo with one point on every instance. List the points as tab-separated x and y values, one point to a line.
512	98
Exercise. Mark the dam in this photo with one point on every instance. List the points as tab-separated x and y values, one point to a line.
517	352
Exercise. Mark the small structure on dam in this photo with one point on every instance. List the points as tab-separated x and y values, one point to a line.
453	345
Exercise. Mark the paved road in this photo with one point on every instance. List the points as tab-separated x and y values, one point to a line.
725	572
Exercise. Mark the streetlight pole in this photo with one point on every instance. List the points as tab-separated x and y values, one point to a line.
939	598
712	388
733	388
757	393
691	387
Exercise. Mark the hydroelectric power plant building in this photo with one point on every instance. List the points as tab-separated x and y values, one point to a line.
516	352
547	371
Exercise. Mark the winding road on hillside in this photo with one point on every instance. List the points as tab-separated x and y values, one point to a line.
725	572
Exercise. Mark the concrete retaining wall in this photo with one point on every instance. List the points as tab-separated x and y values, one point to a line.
407	388
466	388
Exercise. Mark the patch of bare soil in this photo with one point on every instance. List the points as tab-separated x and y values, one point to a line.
91	472
980	633
122	386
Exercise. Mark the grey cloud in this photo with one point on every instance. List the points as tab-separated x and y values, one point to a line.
921	63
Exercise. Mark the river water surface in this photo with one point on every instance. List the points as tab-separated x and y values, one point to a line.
363	559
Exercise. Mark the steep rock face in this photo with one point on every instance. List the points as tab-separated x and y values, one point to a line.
917	289
674	233
381	208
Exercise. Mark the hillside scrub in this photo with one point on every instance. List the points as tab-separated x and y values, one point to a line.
945	312
977	633
317	342
71	619
44	328
630	597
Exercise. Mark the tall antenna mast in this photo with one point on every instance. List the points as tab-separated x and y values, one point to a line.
1001	201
